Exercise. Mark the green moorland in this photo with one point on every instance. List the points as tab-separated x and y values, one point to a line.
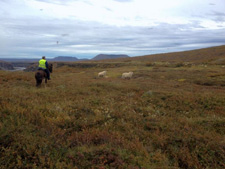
169	115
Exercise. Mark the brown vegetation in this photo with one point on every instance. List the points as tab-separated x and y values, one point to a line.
166	116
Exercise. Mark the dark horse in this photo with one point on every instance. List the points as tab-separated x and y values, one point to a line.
41	74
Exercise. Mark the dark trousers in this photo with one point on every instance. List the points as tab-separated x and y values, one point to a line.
46	71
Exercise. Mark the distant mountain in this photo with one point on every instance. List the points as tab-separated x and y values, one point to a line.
64	59
19	60
107	56
56	59
6	66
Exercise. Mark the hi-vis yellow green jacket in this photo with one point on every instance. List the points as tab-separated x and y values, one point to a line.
42	63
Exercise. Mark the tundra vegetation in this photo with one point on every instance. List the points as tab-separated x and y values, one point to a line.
169	115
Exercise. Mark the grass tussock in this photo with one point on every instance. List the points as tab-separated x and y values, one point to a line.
164	117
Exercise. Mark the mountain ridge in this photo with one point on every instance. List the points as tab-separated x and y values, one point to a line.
211	54
66	58
6	66
109	56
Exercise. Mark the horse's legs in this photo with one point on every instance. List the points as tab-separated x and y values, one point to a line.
45	82
38	83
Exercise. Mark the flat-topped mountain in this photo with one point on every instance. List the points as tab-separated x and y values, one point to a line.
64	58
108	56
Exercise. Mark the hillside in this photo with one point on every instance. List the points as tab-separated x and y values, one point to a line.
207	55
5	66
213	54
107	56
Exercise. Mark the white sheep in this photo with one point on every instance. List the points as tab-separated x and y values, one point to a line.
127	75
102	74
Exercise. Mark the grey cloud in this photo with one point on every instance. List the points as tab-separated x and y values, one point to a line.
36	37
213	15
65	34
218	16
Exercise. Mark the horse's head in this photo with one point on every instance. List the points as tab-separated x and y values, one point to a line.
50	66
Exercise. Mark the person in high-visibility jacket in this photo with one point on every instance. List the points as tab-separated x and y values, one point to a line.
43	65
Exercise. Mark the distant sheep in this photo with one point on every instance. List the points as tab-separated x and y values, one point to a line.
127	75
102	74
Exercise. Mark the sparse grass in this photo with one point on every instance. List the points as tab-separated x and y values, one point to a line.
164	117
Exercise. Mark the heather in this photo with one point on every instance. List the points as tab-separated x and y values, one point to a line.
168	115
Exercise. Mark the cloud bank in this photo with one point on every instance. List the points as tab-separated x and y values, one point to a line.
85	28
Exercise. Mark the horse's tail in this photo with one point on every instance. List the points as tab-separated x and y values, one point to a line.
38	77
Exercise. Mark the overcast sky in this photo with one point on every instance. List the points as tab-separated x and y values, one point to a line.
85	28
